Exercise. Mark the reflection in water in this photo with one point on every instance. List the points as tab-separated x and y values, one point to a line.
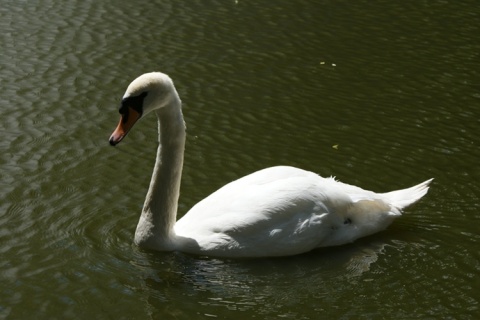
184	284
361	261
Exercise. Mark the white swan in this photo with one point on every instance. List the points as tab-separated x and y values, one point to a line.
277	211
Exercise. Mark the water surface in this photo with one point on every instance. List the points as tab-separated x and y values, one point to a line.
379	94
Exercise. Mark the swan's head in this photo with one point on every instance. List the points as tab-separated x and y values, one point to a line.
148	92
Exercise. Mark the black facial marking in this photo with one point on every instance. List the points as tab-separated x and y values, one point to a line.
134	102
347	221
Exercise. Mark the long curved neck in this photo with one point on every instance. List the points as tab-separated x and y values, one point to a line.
155	227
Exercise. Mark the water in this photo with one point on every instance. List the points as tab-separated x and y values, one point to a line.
380	94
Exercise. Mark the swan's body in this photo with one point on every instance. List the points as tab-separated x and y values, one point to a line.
277	211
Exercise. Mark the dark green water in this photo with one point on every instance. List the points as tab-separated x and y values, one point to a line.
381	94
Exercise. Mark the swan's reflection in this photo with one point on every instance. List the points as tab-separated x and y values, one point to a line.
180	285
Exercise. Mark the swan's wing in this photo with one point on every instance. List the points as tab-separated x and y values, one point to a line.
283	210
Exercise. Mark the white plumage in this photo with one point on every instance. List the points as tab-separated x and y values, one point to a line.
277	211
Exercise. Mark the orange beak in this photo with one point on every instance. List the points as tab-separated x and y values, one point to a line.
126	123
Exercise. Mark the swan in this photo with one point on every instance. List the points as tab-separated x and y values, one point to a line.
278	211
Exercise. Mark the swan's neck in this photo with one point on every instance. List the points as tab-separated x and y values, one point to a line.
155	228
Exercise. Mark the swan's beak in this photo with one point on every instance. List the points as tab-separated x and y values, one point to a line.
126	123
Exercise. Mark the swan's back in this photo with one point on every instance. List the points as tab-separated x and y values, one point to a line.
282	211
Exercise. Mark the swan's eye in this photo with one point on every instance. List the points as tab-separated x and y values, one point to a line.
134	102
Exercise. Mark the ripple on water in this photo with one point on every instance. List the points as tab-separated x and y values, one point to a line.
255	94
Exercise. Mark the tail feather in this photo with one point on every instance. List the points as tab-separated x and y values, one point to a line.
405	197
